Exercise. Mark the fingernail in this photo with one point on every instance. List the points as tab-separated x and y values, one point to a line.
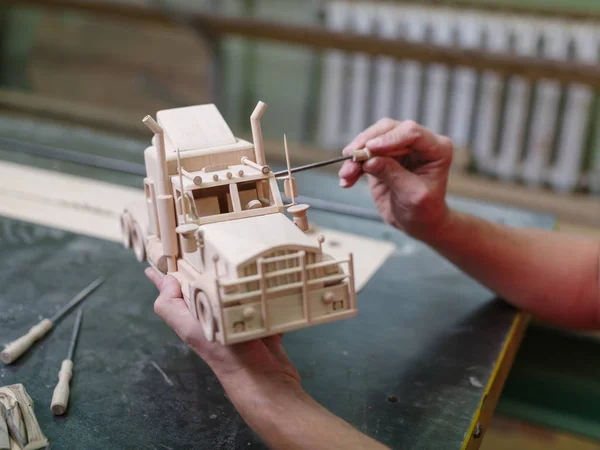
343	182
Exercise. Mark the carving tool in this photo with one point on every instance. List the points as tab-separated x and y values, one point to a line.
357	155
60	397
17	347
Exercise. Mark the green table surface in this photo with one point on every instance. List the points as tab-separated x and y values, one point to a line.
410	370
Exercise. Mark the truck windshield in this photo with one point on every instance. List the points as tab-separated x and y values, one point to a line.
226	198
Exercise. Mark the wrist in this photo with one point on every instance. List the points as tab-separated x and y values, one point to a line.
446	231
433	229
265	402
248	385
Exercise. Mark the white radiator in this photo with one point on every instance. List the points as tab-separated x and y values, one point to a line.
517	130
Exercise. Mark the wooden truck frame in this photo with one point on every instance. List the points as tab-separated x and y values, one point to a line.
213	218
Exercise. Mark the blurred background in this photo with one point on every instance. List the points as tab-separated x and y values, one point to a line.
514	83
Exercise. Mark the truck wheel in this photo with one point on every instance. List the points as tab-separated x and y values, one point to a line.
137	241
125	231
205	315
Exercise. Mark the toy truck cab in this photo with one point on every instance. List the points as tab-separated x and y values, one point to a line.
215	220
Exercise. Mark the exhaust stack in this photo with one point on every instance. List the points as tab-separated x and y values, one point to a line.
164	200
161	158
259	150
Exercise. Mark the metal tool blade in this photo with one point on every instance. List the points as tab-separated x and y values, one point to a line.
78	298
313	165
75	334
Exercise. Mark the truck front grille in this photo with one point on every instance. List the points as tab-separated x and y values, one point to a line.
279	264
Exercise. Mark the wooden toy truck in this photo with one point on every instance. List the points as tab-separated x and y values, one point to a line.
214	219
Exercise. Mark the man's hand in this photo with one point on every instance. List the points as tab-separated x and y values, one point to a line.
263	360
261	382
553	276
408	174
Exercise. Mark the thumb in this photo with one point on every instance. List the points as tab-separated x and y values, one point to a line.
387	170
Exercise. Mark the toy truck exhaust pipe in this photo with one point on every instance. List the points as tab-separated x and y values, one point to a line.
165	205
259	150
161	157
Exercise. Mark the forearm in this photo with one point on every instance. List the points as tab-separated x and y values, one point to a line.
286	417
554	276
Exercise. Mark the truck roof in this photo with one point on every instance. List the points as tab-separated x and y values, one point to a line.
195	127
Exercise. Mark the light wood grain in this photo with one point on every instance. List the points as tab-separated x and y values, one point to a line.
19	346
60	396
576	208
195	127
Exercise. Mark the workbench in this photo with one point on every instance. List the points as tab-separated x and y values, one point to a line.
421	367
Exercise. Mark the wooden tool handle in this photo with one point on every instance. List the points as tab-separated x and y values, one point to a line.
16	348
361	155
60	397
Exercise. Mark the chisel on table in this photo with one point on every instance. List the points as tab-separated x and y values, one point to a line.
60	397
16	348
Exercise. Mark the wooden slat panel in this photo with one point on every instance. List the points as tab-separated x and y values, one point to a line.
544	122
333	84
412	71
572	143
390	27
363	22
517	103
438	75
531	68
490	100
470	35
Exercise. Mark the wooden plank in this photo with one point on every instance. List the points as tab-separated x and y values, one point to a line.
483	417
310	36
569	227
575	208
579	209
92	208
